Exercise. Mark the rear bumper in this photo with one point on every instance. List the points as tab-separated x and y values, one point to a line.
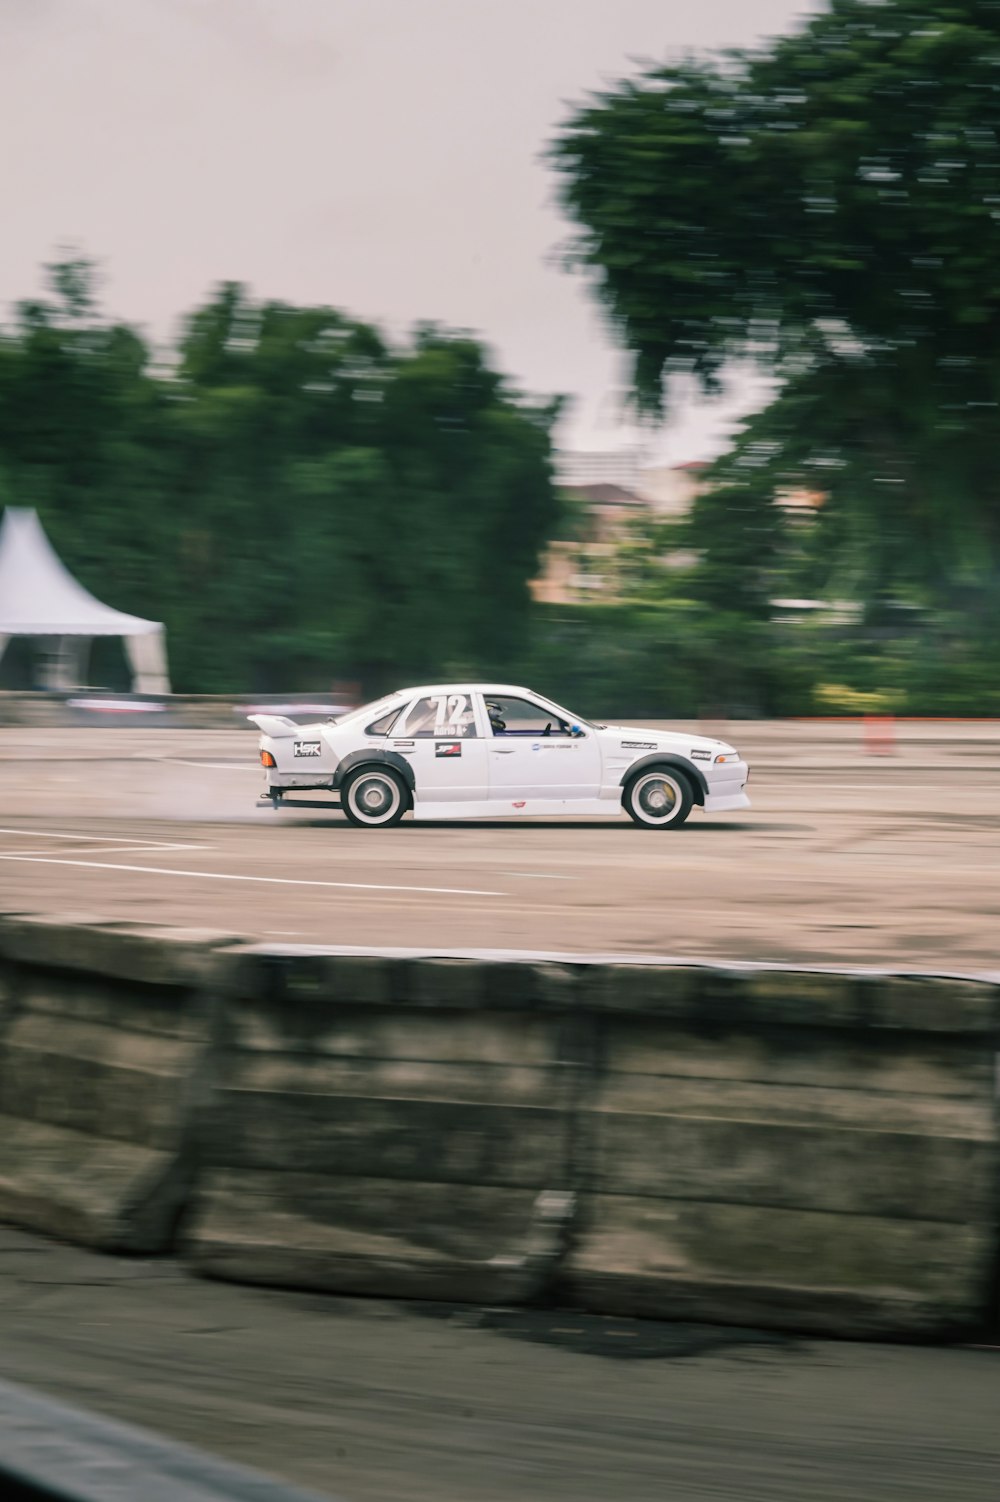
285	781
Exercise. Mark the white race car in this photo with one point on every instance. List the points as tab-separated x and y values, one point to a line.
478	751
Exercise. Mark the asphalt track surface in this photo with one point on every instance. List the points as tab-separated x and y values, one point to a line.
846	857
370	1401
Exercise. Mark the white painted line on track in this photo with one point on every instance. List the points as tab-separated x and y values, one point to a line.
124	840
54	834
280	881
117	850
127	845
156	849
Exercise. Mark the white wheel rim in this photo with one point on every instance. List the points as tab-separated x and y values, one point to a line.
374	798
657	798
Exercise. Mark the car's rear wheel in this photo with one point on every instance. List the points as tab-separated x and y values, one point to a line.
658	798
374	796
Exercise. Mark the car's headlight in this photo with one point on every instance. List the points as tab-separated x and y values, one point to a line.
727	756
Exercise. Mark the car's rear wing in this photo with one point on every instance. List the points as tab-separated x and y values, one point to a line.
277	726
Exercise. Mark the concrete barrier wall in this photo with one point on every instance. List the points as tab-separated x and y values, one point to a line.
803	1150
387	1127
102	1051
797	1150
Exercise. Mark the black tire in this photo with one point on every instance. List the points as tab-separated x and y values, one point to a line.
374	797
658	798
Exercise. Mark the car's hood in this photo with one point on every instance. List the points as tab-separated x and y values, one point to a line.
629	738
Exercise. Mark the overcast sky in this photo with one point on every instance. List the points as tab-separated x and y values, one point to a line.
379	155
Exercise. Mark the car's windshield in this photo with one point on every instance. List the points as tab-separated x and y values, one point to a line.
571	719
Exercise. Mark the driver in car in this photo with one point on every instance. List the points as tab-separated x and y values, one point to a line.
495	711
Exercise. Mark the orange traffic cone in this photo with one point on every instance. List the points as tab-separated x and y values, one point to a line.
880	734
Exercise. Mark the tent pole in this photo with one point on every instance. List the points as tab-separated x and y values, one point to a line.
147	655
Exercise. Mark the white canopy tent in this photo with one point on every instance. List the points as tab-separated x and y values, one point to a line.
40	598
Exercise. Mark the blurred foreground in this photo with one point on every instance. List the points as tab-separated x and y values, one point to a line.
381	1402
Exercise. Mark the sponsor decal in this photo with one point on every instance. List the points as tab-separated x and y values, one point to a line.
306	748
701	755
537	746
403	745
448	748
522	804
638	745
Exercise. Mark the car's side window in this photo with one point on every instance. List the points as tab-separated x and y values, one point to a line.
438	715
385	724
522	717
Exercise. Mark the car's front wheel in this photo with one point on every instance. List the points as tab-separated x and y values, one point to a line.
658	798
374	796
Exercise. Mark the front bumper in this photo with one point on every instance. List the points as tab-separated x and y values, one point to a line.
725	794
725	803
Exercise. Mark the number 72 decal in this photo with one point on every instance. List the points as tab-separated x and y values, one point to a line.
450	713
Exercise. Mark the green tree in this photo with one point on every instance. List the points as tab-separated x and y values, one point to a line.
296	500
828	206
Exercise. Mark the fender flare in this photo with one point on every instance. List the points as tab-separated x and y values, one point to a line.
378	757
695	775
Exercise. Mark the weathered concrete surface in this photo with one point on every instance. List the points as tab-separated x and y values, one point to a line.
804	1152
102	1047
813	1152
844	857
380	1403
387	1128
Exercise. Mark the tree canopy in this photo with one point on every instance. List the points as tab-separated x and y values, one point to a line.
298	501
828	206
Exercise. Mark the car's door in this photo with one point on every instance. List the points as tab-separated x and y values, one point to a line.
535	754
440	737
